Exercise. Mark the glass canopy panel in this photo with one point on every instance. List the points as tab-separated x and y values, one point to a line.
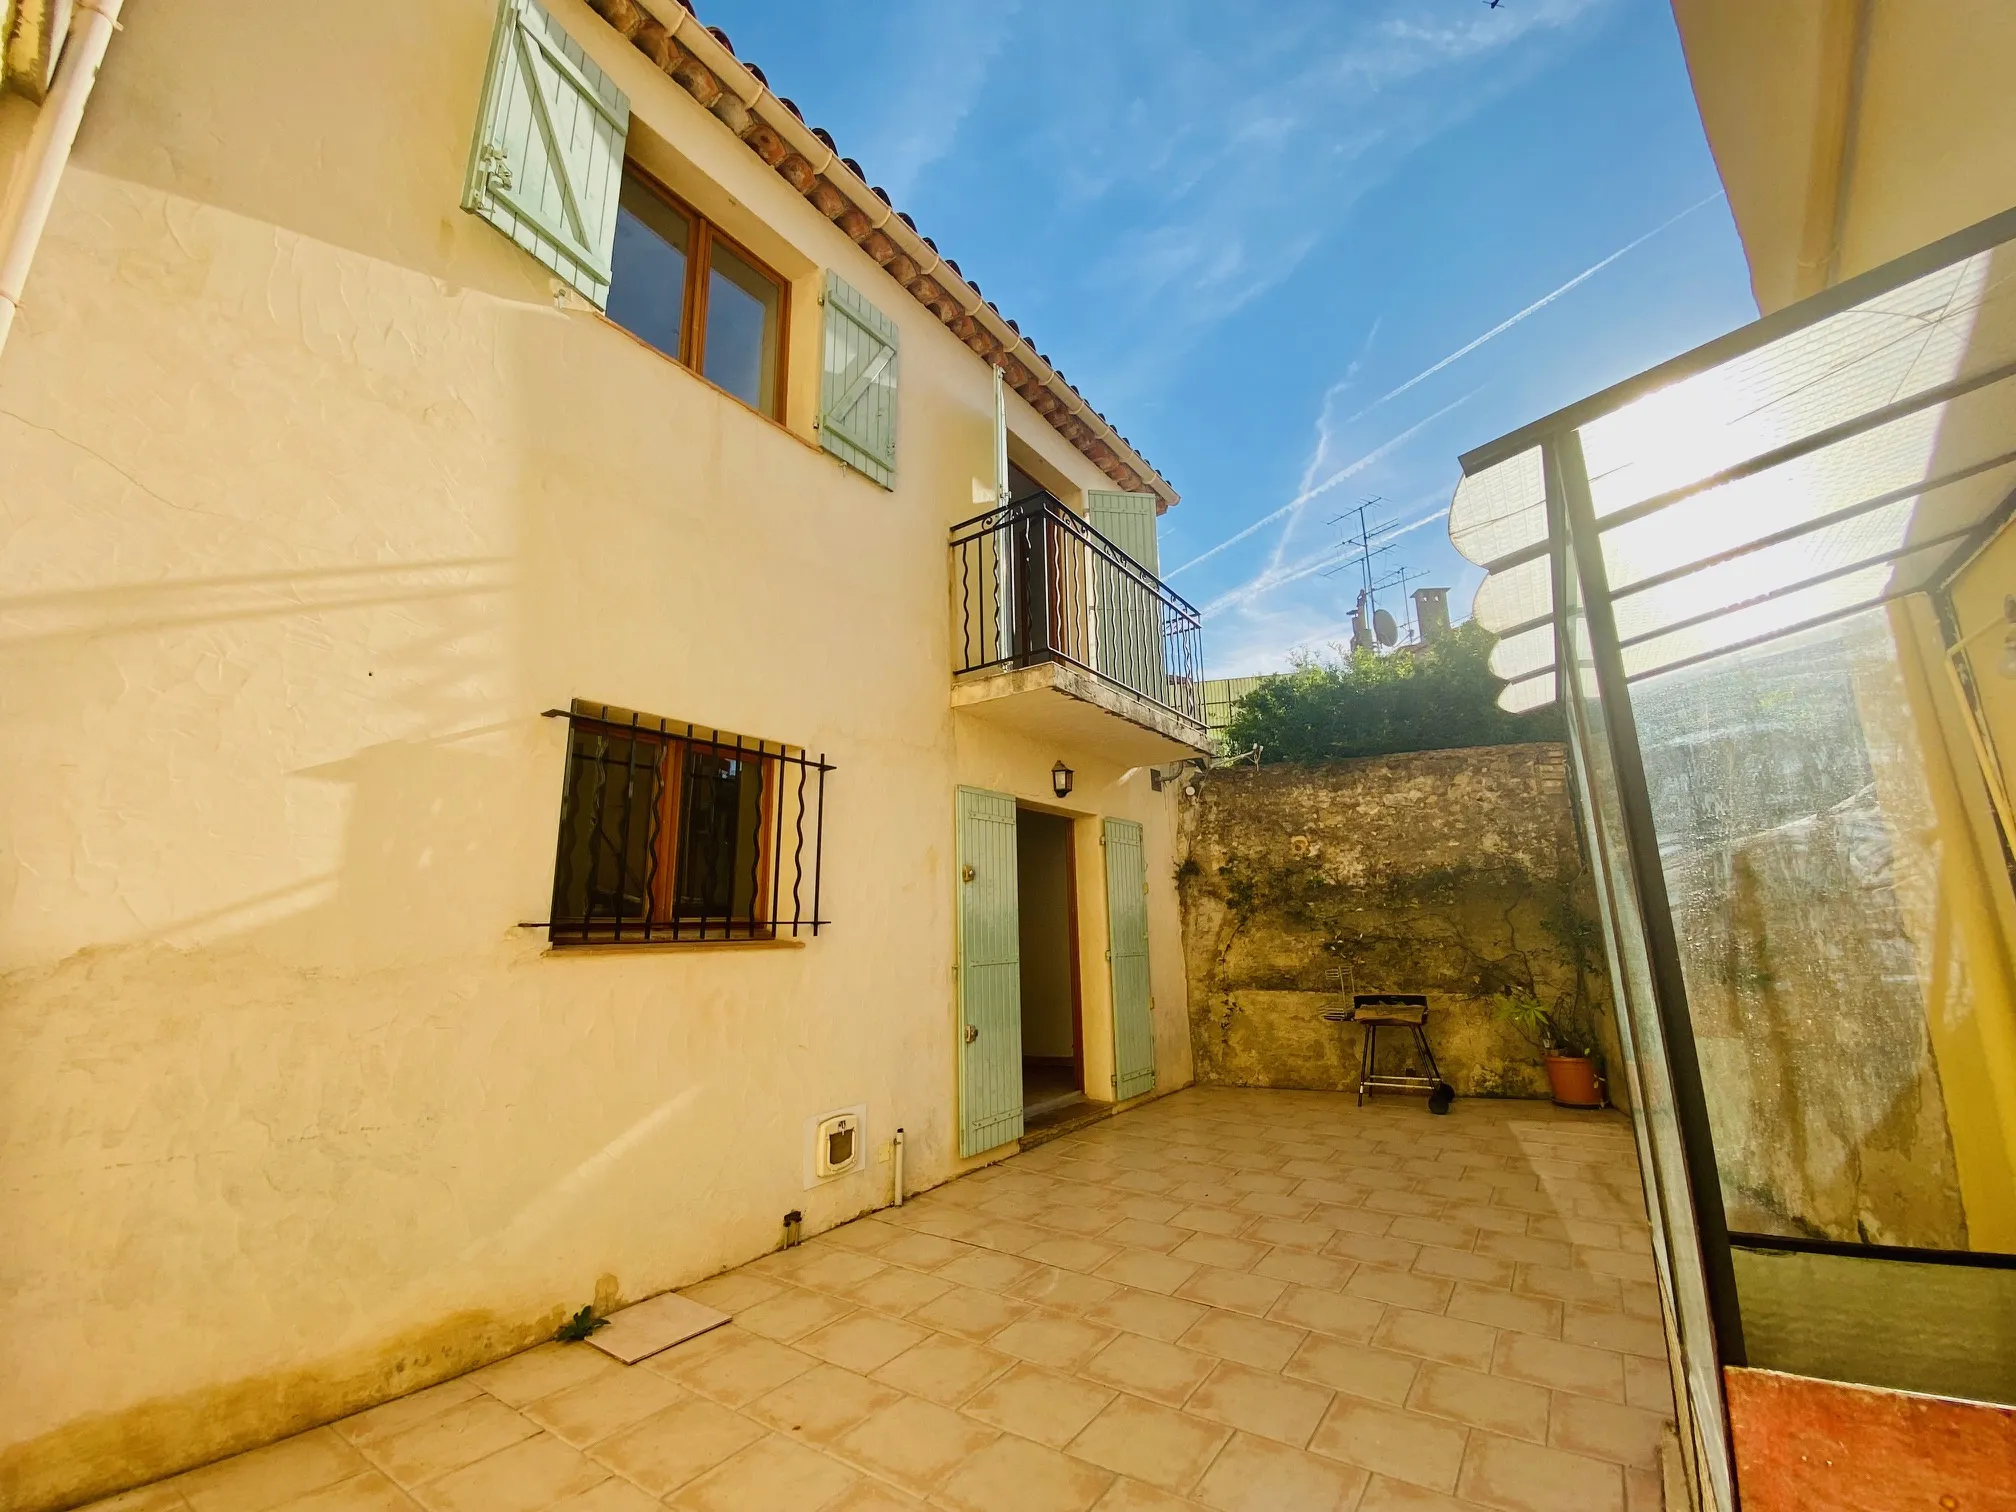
1523	654
1953	323
1515	596
1533	693
1976	431
1500	510
1772	617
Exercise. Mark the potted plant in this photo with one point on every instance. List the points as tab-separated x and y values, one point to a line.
1567	1045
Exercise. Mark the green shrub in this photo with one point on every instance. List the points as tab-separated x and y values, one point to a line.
1363	704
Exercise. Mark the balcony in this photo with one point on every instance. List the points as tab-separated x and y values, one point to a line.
1061	635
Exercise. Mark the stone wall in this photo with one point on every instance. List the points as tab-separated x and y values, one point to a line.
1454	873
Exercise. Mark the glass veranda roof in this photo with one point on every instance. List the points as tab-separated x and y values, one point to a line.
1819	461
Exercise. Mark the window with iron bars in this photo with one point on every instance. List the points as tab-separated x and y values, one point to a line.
672	831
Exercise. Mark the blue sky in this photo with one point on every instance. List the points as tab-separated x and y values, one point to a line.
1247	230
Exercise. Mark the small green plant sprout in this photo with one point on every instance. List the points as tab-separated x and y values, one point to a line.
1552	1030
578	1327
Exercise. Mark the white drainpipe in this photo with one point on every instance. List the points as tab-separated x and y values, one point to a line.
32	188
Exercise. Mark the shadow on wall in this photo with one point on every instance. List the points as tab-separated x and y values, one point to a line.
1454	873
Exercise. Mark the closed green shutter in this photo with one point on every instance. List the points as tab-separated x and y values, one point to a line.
857	386
1127	617
547	164
1127	947
990	973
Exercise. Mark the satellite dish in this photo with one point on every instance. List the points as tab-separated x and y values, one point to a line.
1383	626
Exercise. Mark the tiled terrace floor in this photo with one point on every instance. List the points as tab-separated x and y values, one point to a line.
1244	1300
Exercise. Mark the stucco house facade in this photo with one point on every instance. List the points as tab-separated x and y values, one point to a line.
550	644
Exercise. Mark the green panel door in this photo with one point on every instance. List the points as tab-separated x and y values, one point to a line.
1127	949
1128	614
990	974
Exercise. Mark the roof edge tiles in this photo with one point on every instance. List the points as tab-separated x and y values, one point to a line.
700	61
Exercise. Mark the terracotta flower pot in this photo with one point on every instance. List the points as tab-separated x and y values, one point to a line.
1573	1079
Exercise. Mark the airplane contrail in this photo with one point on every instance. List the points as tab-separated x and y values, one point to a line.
1308	566
1539	304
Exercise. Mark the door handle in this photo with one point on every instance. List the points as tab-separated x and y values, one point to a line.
969	873
972	1033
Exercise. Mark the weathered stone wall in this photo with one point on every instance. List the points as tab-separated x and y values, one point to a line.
1454	873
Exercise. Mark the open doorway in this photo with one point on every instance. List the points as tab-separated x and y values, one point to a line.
1053	1051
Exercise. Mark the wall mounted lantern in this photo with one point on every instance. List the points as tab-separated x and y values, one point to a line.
1060	780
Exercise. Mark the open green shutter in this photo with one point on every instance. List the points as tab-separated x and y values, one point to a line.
990	973
547	163
1127	614
1127	948
857	387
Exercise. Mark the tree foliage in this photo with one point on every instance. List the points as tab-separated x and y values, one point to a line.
1359	703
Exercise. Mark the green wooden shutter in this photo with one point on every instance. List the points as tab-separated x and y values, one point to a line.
1127	948
547	163
990	973
1127	620
857	387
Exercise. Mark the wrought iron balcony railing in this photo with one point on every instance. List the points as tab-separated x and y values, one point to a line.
1033	583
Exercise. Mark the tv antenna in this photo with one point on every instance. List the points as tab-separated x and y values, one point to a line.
1370	625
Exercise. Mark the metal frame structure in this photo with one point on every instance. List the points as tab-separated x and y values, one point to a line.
1592	671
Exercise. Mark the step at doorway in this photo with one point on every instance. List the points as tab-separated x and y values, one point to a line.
1053	1047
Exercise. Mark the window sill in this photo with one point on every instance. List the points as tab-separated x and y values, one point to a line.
657	947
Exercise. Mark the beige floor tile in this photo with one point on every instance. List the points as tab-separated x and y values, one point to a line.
837	1270
1388	1441
1072	1253
1401	1288
1079	1212
1524	1249
1512	1476
1045	1339
1007	1236
1146	1270
915	1443
1151	1443
1250	1341
1291	1233
1326	1312
1357	1369
1501	1309
1038	1404
527	1477
541	1372
1149	1209
864	1235
1374	1249
1166	1373
612	1495
989	1271
1147	1313
922	1251
672	1447
396	1416
792	1314
863	1342
943	1370
460	1436
369	1492
162	1496
774	1474
740	1370
1260	1403
1383	1495
821	1404
1648	1384
970	1313
1209	1210
275	1474
1215	1249
1581	1286
873	1496
1565	1367
1432	1336
1234	1291
1130	1495
1140	1233
1254	1475
1270	1204
1301	1269
596	1408
1512	1408
1606	1430
1464	1265
1064	1290
1610	1330
1013	1475
655	1325
1442	1233
895	1290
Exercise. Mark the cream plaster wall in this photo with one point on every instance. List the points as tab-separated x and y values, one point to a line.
313	497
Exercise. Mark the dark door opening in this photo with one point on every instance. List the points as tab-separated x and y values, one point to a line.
1053	1052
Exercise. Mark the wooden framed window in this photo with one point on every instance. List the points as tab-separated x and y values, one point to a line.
674	831
683	286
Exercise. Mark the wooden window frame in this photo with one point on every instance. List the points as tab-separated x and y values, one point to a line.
702	234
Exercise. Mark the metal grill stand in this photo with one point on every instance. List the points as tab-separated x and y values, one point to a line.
1373	1011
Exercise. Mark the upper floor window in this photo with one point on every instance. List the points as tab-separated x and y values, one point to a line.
680	284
